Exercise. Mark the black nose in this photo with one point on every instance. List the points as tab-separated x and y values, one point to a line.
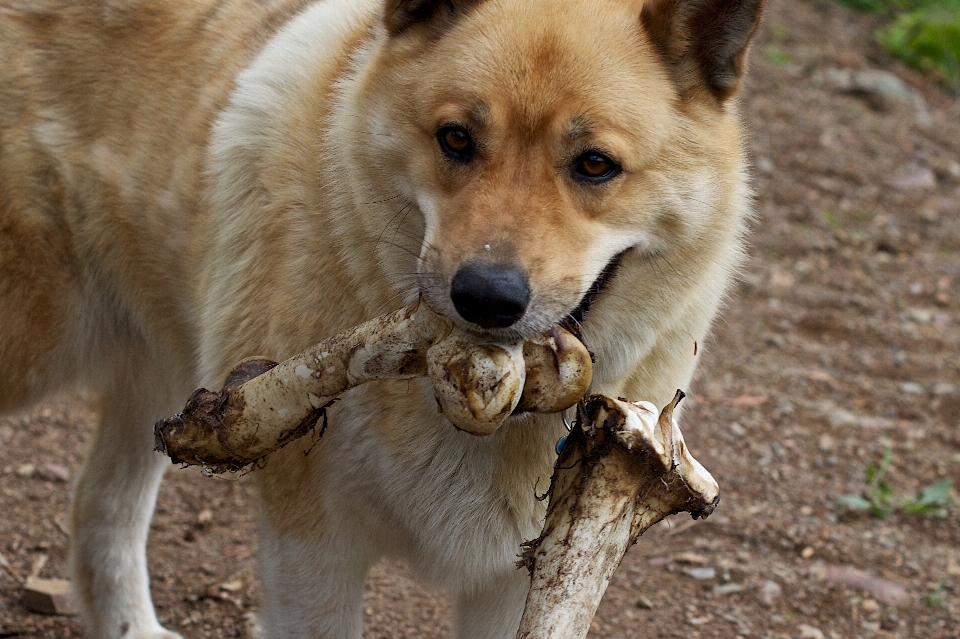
490	295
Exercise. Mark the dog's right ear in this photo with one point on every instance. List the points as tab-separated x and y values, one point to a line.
435	15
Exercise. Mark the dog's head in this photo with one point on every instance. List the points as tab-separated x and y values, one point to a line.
538	141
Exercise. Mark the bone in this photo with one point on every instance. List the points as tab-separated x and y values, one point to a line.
623	468
264	405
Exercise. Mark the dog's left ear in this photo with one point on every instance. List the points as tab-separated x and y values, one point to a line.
436	15
704	42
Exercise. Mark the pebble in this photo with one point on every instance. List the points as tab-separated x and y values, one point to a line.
881	589
691	558
768	592
54	472
727	589
809	632
765	165
702	574
914	176
920	315
826	443
874	81
912	388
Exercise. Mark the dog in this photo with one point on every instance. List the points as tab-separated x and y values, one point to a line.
186	184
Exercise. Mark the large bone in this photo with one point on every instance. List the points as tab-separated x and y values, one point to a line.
622	469
264	405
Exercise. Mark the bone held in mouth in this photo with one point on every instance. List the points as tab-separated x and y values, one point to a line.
264	405
622	469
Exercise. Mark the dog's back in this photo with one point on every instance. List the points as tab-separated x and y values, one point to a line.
96	212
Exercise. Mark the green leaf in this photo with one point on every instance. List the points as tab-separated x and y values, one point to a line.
884	495
885	462
778	56
915	508
881	511
854	501
937	493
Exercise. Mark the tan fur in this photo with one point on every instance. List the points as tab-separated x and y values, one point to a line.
184	184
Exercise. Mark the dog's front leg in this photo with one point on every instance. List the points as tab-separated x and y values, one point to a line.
312	585
493	612
112	508
317	537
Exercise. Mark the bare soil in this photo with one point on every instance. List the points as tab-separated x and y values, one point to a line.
841	341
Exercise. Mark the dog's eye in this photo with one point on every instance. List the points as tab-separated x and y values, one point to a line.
456	143
594	167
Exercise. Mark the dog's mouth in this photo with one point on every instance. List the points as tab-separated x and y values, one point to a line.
574	320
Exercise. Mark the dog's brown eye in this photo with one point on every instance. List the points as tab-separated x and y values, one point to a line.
456	143
595	167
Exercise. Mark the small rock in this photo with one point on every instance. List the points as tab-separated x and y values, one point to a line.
644	603
26	470
953	567
702	574
768	592
232	586
205	517
883	83
914	176
691	558
809	632
727	589
807	552
912	388
819	375
944	388
737	429
54	472
839	417
920	315
49	596
777	341
765	165
884	590
870	605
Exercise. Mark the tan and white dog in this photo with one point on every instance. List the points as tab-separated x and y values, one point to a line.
185	183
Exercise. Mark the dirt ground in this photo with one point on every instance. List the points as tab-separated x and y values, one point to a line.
841	341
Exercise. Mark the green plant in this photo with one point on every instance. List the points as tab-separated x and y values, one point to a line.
928	39
923	33
778	56
937	596
880	500
831	219
873	6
